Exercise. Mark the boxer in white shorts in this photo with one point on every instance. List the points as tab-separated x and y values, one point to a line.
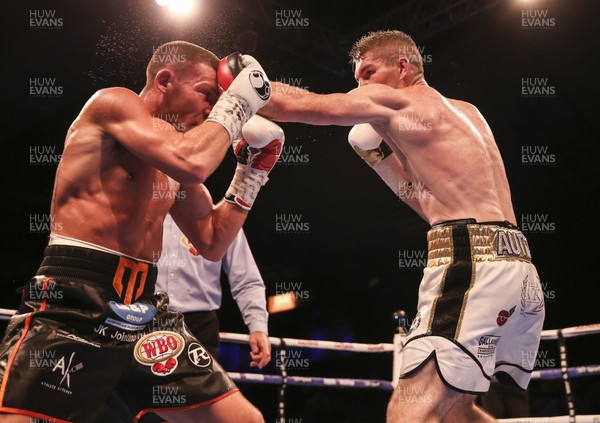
481	306
439	156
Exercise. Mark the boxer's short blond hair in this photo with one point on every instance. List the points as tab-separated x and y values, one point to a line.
388	45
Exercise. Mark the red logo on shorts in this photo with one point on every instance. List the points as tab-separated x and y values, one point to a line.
159	350
164	368
504	315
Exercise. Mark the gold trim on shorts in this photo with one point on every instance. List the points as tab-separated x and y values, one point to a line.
488	243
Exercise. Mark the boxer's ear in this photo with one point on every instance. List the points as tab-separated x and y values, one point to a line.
162	79
403	65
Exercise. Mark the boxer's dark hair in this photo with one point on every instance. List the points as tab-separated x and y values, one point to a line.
177	56
391	44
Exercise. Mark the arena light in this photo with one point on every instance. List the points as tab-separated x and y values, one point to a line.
181	7
178	7
281	302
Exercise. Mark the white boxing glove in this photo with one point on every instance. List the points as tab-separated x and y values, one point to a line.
378	155
364	136
368	144
246	93
258	132
257	152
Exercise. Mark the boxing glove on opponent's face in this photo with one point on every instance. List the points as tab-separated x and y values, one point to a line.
246	89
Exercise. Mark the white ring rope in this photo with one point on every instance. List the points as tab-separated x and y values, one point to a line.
5	314
572	331
312	343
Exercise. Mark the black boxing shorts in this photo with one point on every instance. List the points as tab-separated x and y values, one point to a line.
89	325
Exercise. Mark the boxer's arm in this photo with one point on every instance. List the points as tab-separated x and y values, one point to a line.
375	103
392	172
211	229
188	158
374	151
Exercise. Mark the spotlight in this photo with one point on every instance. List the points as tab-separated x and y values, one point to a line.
179	7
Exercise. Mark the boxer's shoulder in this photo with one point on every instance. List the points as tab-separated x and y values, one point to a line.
463	105
110	102
470	111
421	92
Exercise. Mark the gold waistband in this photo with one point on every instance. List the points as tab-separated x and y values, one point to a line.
485	242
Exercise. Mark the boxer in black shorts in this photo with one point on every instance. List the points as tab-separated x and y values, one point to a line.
79	340
89	324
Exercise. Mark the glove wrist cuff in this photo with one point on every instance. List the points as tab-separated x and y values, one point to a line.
245	185
232	112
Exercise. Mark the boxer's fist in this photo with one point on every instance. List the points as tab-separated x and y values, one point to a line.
252	83
254	163
376	153
364	136
246	91
229	67
368	144
258	132
258	158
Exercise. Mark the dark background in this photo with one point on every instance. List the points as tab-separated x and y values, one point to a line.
346	259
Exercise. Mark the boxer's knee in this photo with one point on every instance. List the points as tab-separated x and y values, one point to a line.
256	416
14	418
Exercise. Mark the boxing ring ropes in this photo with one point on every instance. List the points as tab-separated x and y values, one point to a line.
284	380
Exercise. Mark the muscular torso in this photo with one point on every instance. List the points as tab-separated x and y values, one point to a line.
450	154
105	195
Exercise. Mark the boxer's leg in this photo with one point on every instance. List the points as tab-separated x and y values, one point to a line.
466	411
14	418
424	398
421	397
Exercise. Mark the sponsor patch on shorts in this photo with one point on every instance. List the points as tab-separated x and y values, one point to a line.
198	355
123	325
159	350
136	313
487	345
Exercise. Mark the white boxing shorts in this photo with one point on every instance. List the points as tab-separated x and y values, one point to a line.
480	309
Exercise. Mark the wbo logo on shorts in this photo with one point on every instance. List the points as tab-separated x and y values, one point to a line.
159	350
